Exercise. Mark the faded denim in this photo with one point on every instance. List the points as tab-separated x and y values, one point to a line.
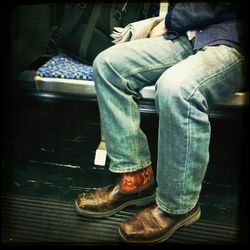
187	83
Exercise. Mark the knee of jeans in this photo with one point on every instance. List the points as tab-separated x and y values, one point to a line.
177	93
106	58
99	62
169	91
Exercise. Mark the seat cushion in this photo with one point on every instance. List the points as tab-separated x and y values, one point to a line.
63	66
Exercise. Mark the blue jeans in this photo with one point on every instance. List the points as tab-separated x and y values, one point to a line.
186	84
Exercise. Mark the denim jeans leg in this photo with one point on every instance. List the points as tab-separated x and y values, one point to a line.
119	74
184	94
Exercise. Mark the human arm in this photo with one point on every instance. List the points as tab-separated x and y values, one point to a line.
158	30
183	16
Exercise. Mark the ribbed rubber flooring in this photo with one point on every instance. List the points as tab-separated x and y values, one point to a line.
29	220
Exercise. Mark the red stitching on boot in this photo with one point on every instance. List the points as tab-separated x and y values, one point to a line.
136	180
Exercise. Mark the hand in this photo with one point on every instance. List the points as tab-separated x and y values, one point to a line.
159	29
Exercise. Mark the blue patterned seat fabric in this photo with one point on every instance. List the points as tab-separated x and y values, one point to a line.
63	66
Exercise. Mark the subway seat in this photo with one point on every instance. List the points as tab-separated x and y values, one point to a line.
64	75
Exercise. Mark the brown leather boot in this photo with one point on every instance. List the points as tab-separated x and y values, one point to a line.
153	225
111	199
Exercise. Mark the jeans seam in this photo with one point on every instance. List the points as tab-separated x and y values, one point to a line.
143	69
136	133
116	169
165	208
211	77
186	155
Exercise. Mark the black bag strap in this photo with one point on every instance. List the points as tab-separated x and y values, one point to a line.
89	29
70	21
146	8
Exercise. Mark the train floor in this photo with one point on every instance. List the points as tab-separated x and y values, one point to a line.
51	149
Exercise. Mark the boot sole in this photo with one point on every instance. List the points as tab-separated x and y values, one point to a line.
138	202
188	221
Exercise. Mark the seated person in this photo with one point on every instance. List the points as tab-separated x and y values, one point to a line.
193	57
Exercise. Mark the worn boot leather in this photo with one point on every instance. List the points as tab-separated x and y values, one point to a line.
153	225
109	200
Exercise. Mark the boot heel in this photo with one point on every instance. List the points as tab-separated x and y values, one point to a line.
145	201
194	218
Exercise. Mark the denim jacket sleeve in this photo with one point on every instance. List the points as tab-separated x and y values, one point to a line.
183	16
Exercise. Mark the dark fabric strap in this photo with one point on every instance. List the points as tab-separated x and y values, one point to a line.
89	29
70	20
